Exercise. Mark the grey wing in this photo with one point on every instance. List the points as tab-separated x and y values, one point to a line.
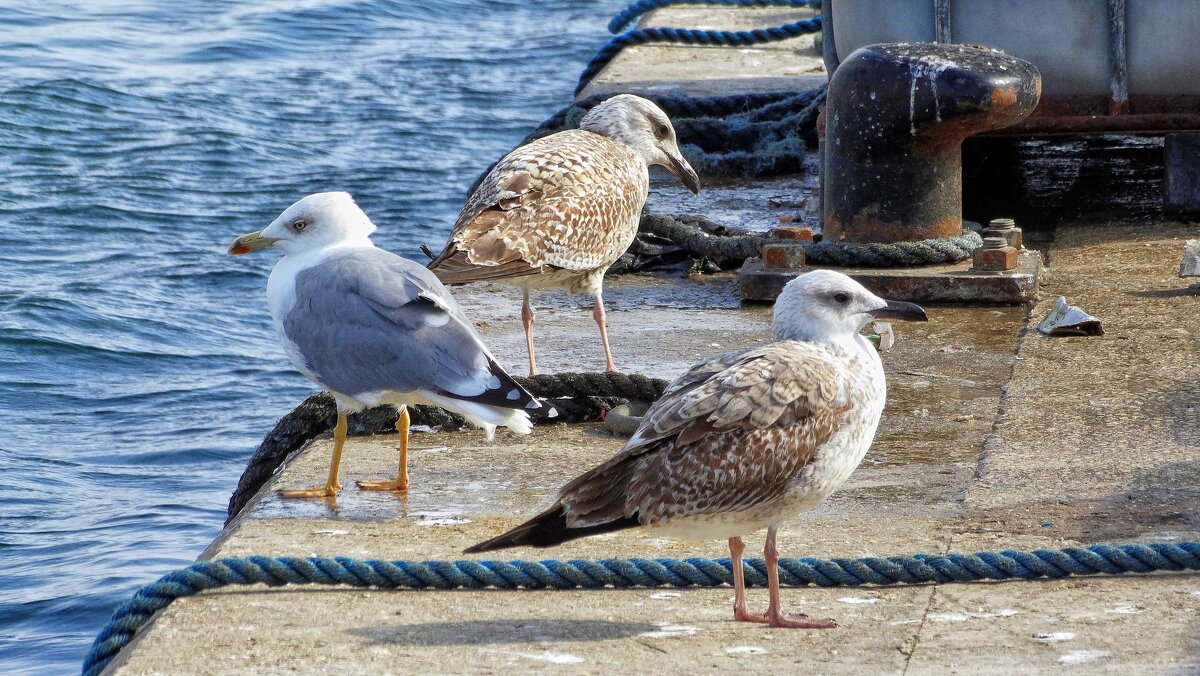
369	321
731	433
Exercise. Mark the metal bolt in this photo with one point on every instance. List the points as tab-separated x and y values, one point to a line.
994	256
1006	228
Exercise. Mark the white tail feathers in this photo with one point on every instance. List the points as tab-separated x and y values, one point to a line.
482	415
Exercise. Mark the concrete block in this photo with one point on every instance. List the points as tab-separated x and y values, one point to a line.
929	284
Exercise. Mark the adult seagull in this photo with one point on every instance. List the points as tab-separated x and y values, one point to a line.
560	210
743	441
374	328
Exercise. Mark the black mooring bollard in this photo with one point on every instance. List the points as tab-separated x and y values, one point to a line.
895	119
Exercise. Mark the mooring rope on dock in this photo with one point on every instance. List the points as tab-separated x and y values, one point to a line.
737	248
627	573
693	36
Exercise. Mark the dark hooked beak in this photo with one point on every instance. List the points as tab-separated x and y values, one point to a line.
683	171
898	309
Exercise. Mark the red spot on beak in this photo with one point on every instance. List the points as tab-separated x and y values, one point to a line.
237	251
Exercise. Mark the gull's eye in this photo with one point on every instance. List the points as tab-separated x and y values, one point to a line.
299	226
841	298
661	130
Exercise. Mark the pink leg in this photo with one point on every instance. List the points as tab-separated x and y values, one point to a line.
599	315
775	617
736	547
527	320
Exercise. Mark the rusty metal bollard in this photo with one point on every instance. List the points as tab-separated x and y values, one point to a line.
895	120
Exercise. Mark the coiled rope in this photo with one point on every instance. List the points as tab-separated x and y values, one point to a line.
693	36
627	573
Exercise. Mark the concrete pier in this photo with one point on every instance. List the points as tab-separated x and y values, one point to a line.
994	437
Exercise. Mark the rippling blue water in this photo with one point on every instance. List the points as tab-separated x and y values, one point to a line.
138	369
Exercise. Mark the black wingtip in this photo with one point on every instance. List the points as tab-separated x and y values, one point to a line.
547	530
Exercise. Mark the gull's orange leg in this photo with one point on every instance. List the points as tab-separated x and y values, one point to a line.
400	483
331	486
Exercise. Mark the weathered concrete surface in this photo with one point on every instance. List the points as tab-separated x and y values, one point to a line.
994	437
661	68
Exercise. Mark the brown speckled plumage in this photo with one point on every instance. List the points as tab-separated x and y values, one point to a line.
729	438
562	209
555	212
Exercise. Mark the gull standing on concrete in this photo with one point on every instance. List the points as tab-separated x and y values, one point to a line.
743	441
560	210
374	328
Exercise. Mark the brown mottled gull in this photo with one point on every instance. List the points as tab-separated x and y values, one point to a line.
560	210
374	328
745	440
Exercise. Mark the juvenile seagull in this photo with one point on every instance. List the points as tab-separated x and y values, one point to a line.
374	328
559	211
743	441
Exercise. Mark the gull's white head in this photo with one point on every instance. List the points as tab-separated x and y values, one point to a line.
643	126
318	221
827	306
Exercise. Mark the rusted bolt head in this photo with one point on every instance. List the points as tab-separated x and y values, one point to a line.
797	233
783	255
995	256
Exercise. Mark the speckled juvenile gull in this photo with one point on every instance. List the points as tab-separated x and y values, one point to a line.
560	210
374	328
744	440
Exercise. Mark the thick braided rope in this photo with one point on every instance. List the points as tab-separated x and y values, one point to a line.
847	254
630	14
692	36
626	573
895	254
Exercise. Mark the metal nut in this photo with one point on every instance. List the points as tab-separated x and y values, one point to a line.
995	256
1006	228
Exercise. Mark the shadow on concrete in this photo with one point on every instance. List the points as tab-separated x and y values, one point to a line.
1165	293
486	632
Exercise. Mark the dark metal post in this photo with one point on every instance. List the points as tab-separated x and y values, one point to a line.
895	120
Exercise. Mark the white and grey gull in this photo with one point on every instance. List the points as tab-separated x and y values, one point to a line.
745	440
375	328
558	211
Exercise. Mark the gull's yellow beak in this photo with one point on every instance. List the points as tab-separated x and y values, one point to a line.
250	242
